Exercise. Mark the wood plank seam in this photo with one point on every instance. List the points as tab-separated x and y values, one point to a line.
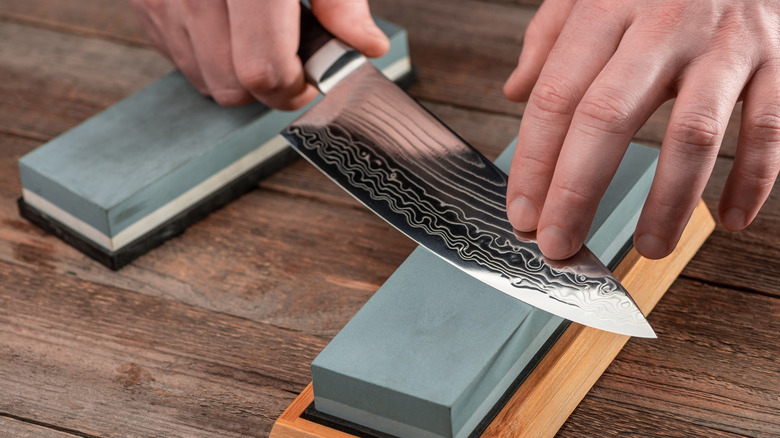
45	425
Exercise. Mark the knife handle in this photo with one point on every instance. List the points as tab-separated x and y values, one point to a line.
326	59
313	35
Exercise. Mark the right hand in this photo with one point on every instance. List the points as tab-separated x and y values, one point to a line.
238	51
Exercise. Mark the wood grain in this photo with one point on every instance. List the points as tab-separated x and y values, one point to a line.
82	76
295	259
73	351
102	19
11	427
710	368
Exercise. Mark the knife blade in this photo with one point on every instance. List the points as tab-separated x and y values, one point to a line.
398	159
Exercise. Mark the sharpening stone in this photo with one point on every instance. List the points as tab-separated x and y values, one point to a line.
146	168
435	353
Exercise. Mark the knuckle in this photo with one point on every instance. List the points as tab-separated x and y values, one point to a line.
155	5
670	205
696	130
532	162
759	178
574	194
554	96
260	77
765	129
607	112
757	170
229	97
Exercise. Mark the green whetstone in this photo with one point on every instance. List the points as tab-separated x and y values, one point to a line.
434	351
143	170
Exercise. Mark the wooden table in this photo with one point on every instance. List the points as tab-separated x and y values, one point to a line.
212	333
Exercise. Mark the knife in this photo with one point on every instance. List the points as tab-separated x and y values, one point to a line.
399	160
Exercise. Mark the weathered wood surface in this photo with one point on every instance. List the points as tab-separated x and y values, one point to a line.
212	333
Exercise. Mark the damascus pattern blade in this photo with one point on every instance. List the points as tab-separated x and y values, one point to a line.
395	157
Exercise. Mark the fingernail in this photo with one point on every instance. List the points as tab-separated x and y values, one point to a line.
523	214
652	246
554	243
734	219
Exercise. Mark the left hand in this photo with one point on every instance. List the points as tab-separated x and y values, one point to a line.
593	71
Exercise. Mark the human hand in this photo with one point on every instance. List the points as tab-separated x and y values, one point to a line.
593	71
237	51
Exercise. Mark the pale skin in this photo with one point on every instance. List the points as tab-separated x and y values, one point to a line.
239	51
591	71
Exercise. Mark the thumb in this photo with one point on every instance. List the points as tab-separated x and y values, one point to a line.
350	20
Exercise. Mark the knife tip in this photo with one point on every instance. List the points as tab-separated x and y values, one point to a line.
643	331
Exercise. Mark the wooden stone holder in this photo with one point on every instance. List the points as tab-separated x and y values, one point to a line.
570	368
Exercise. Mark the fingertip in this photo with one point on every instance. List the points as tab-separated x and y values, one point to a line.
651	246
556	244
344	19
733	219
377	43
523	214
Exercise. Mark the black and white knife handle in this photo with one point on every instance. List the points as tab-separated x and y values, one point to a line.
326	59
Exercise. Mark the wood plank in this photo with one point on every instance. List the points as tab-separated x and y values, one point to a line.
92	18
609	419
82	76
112	362
714	366
11	427
466	64
749	259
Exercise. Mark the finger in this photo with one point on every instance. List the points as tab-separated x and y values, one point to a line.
350	20
585	45
624	95
170	22
757	162
209	30
690	147
540	36
264	41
